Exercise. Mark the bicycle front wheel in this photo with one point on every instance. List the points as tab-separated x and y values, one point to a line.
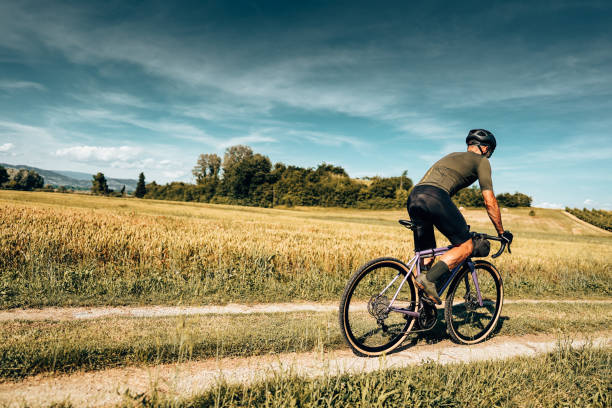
467	322
367	324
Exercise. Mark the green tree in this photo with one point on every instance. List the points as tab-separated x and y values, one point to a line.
4	177
99	185
469	197
24	180
234	155
384	187
514	200
330	168
208	166
246	175
141	188
123	191
405	182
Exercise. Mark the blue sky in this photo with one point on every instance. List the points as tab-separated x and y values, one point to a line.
378	88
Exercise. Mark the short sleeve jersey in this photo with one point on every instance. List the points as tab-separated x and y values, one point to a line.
458	170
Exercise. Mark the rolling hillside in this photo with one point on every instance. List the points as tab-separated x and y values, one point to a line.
73	179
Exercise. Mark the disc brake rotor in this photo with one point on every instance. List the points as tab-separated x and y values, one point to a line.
471	302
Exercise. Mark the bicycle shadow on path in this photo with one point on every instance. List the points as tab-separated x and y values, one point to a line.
438	333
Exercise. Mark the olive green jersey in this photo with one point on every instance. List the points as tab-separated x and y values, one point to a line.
458	170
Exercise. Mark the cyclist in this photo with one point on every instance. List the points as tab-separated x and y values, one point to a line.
430	204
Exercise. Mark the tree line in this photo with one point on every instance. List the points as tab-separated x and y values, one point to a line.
244	177
99	186
20	179
599	218
472	197
247	178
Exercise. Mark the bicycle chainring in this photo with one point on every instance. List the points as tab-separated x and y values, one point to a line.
428	316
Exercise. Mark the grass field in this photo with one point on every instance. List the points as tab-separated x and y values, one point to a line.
567	377
63	249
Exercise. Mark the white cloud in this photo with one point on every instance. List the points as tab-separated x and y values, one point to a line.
430	128
121	99
281	79
174	174
250	139
99	153
9	85
6	147
172	129
20	130
549	205
588	203
326	139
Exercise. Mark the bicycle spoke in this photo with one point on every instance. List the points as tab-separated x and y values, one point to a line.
369	324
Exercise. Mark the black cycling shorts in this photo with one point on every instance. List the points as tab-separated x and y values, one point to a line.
429	206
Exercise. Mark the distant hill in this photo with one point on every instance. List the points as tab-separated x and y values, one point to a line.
74	179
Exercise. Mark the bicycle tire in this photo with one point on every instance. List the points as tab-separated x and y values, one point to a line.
351	320
468	322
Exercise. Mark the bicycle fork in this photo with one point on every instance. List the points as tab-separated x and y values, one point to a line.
475	279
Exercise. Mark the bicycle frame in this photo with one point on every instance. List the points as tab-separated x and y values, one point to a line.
415	263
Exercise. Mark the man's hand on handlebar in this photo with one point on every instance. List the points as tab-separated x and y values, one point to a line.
506	237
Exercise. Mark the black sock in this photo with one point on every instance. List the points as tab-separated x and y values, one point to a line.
436	271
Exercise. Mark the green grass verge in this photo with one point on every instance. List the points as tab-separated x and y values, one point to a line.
250	279
32	347
567	377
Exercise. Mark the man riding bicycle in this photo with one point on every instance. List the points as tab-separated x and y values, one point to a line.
430	204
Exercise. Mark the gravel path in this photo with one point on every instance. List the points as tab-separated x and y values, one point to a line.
76	313
586	224
107	387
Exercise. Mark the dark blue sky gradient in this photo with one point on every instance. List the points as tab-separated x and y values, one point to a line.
124	87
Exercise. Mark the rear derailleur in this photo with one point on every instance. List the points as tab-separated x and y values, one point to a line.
378	307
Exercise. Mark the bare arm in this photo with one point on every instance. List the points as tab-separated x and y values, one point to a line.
493	210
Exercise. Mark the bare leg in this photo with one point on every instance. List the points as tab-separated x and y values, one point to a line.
458	254
428	261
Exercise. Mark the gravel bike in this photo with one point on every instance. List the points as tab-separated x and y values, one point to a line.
381	303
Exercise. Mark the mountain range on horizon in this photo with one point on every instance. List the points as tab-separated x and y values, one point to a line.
74	179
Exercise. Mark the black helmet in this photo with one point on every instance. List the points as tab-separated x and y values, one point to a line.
481	137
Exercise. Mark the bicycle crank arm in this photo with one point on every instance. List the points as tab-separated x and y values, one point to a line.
404	311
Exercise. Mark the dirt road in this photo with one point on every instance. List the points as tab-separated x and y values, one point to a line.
107	387
76	313
586	224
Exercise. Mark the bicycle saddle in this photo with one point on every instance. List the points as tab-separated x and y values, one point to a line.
408	224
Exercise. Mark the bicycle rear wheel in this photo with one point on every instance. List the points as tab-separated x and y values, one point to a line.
466	321
367	325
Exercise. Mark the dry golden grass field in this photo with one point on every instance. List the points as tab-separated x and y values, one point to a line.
68	249
80	250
